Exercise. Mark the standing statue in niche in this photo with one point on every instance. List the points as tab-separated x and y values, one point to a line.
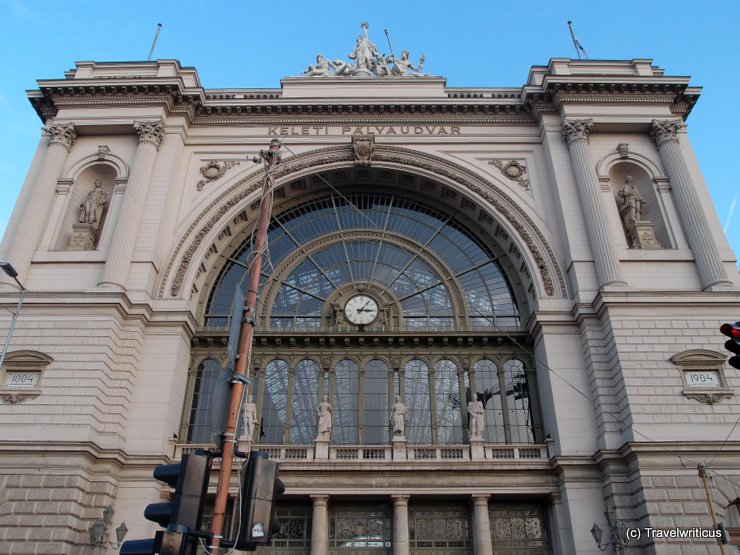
477	413
631	202
398	417
92	207
324	425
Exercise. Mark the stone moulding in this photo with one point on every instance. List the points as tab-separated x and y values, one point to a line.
542	255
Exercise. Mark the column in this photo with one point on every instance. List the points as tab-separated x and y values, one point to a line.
31	227
123	243
608	270
708	260
400	524
320	525
481	526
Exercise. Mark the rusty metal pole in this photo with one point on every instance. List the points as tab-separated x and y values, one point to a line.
271	158
703	475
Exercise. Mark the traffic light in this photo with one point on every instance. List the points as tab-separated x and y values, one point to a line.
189	477
733	345
260	488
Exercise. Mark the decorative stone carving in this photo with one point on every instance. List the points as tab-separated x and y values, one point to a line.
477	413
84	237
398	418
15	398
214	170
322	68
103	152
91	209
324	424
665	130
363	146
368	62
63	135
624	150
150	132
630	202
708	398
574	130
249	413
513	170
542	254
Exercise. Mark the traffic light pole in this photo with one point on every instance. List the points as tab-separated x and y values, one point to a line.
270	158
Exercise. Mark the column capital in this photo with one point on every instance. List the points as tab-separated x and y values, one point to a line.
665	130
480	498
150	132
400	498
63	135
575	129
320	499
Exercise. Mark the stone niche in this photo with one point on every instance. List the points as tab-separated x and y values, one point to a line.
649	230
82	227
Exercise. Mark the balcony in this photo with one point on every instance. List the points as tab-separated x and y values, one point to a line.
389	453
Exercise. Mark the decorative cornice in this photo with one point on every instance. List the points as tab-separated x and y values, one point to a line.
577	129
63	135
359	114
150	132
665	130
542	254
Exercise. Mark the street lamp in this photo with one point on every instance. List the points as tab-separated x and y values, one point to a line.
619	539
98	530
7	267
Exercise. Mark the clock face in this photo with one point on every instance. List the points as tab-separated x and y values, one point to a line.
361	310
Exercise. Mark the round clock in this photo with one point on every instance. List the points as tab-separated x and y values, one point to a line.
361	310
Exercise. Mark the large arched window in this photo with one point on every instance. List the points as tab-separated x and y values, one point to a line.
421	256
442	310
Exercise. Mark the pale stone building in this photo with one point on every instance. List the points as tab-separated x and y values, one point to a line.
509	296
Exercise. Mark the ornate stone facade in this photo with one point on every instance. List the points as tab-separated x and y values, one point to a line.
469	337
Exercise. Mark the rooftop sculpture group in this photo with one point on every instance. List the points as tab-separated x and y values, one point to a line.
368	62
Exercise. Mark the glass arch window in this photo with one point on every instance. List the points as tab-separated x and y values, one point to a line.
275	404
377	238
375	415
448	406
345	404
305	403
200	426
418	417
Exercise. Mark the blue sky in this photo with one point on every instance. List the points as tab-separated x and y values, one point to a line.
477	43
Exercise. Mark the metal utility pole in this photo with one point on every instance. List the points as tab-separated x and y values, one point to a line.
270	158
703	475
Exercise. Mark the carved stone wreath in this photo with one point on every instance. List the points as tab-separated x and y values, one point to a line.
513	170
214	170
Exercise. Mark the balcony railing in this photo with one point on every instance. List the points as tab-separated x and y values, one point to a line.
387	453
